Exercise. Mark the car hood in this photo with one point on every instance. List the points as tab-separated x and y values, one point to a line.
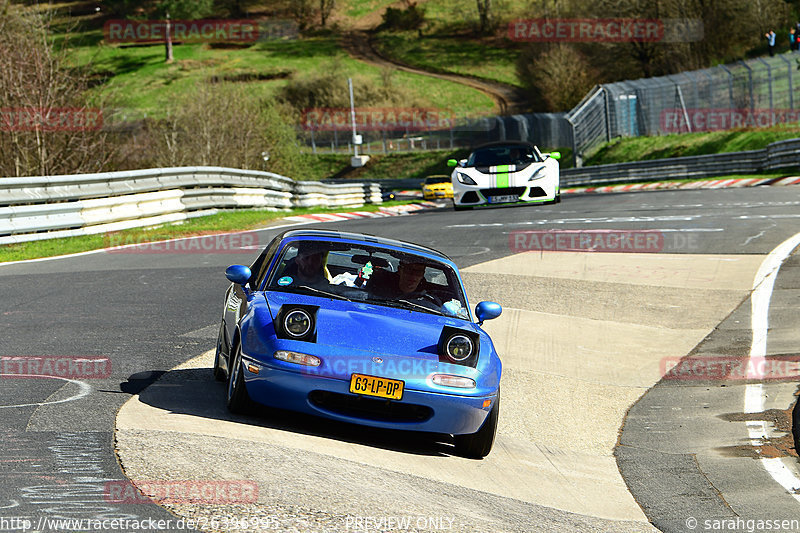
528	168
373	328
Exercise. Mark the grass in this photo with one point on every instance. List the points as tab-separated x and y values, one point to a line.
239	220
137	76
452	55
687	144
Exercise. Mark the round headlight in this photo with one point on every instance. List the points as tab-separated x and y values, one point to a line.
297	323
459	347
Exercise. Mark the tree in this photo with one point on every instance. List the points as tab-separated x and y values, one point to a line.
484	15
325	9
47	124
181	9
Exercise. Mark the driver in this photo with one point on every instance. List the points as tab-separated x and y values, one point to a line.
308	267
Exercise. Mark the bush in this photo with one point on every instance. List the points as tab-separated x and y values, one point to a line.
328	89
220	125
411	18
559	77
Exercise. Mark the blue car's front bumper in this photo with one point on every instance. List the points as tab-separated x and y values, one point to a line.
330	397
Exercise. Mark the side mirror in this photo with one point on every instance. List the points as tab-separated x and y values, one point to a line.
452	163
555	155
238	274
487	311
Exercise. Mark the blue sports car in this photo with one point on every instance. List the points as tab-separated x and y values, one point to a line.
360	329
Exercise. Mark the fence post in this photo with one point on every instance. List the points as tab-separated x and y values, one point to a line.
607	114
769	78
313	144
750	85
789	71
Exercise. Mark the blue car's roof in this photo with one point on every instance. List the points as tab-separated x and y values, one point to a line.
362	237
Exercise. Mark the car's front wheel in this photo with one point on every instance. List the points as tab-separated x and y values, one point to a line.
238	400
478	445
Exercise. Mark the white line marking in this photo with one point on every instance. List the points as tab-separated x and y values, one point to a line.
763	285
101	250
83	390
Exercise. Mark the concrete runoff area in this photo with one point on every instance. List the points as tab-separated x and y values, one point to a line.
582	337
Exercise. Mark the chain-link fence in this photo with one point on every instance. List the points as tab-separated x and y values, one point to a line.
548	130
755	93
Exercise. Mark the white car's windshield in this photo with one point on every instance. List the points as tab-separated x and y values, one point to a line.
514	154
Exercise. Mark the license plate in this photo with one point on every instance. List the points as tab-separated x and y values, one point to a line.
375	386
503	199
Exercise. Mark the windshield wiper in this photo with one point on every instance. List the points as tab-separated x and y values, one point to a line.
324	293
406	304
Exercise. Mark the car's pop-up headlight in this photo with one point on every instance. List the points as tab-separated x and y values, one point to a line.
297	323
458	346
466	180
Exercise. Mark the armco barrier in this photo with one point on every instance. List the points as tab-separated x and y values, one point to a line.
781	154
39	208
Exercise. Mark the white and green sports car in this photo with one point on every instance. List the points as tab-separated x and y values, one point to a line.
505	173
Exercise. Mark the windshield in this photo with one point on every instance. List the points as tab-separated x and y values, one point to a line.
515	154
437	179
369	274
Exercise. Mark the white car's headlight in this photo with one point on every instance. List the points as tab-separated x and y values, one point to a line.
540	173
466	180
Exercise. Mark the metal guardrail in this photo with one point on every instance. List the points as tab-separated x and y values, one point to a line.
37	208
781	154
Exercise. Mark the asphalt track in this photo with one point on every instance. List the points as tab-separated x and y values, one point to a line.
583	338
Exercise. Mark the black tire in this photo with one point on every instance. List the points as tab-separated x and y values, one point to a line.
238	400
478	445
219	372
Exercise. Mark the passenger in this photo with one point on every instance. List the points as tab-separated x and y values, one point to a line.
408	280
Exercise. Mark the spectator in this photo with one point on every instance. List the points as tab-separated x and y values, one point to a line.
770	35
793	43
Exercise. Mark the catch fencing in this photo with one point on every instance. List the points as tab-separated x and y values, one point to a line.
37	208
759	92
548	130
